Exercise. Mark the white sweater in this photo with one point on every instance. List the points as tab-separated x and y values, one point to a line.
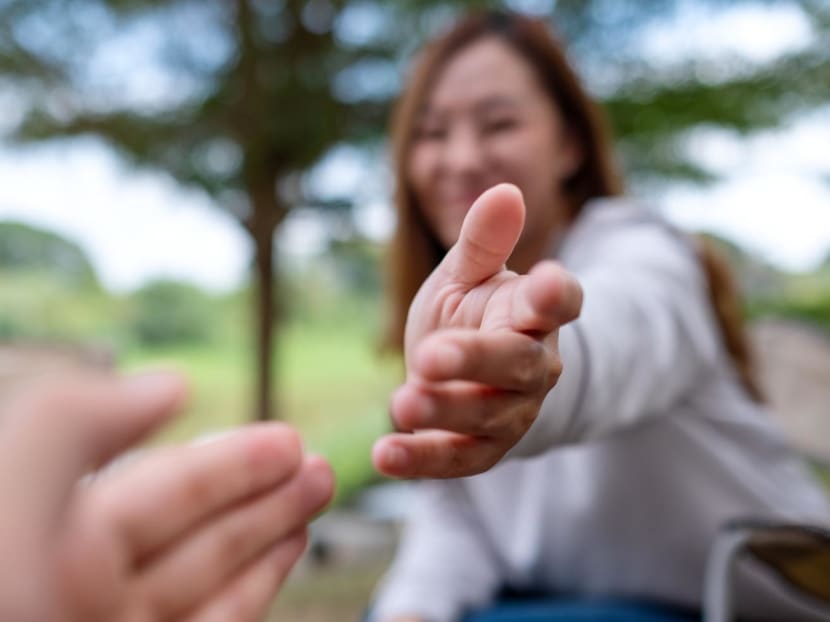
646	445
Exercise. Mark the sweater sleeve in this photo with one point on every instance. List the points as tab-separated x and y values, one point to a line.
444	565
646	333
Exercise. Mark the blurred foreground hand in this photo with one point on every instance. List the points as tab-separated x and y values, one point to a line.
481	349
199	532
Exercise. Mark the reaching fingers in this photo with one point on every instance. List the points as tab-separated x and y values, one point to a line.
503	359
186	485
217	550
434	454
250	595
463	407
488	235
59	429
545	299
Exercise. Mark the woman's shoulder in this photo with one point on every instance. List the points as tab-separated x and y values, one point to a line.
624	226
608	214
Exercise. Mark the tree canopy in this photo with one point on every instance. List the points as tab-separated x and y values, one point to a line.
24	248
241	98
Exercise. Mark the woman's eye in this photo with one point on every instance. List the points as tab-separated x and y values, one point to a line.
431	133
499	125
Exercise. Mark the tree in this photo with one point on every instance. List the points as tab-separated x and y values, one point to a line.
252	102
653	106
254	92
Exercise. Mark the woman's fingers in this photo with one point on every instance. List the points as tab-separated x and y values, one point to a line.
184	487
488	235
217	550
435	454
463	407
545	299
503	359
250	595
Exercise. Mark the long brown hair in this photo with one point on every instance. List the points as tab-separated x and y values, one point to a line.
415	250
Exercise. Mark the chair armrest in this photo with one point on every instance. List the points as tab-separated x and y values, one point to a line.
797	554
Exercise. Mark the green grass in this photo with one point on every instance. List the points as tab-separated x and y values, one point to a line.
331	384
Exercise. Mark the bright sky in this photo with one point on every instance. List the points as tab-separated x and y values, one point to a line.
139	225
134	226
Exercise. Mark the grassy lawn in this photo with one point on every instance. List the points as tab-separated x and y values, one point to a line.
331	384
327	594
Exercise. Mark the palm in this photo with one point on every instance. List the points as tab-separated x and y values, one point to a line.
471	288
481	349
485	306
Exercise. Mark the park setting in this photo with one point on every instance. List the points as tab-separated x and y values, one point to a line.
206	187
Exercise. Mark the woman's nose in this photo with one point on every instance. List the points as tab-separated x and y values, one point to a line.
462	151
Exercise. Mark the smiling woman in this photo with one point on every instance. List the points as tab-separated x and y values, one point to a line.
488	119
564	456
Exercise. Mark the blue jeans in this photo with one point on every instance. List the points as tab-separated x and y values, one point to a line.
566	610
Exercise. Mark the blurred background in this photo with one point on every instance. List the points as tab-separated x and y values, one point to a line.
205	185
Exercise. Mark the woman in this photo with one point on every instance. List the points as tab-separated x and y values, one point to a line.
611	484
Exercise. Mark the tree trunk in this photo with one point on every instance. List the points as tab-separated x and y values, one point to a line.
265	408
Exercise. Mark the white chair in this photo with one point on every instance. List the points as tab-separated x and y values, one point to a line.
794	366
797	555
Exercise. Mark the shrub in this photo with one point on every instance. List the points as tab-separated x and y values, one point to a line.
169	312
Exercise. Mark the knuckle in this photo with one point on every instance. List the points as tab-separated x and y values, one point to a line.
553	372
229	546
473	357
485	422
196	492
459	463
491	426
527	371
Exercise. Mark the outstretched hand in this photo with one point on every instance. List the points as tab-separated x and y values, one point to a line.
481	350
200	532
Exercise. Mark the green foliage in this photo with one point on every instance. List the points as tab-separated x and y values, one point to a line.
804	297
335	386
343	282
39	306
29	249
269	87
357	264
169	312
260	91
812	310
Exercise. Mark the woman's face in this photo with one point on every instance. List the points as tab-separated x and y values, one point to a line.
487	120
